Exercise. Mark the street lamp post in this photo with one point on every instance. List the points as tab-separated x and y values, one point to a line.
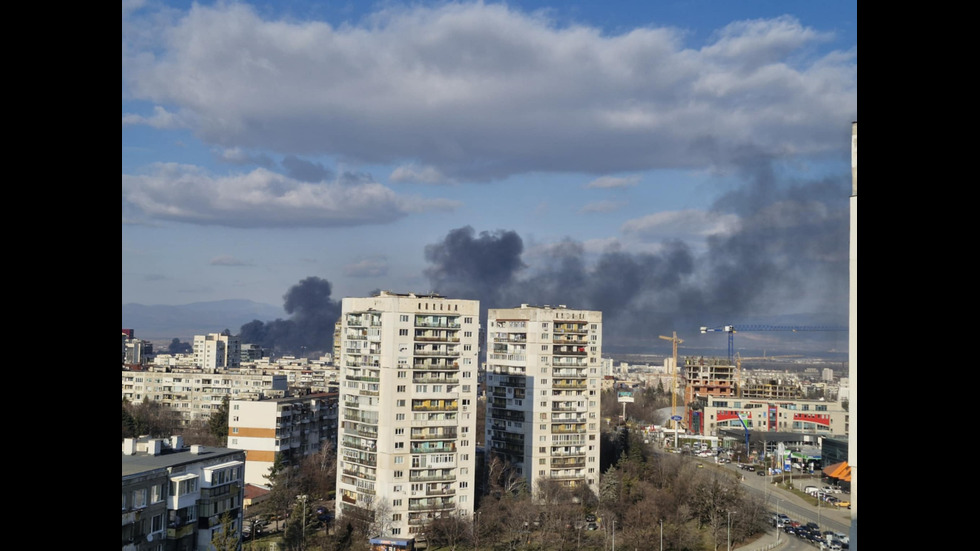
303	498
661	534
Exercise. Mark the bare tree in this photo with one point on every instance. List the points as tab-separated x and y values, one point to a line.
449	531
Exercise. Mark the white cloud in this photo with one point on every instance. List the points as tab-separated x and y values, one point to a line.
262	198
691	225
161	118
478	91
417	174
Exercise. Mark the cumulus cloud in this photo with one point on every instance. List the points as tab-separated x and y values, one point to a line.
262	198
476	91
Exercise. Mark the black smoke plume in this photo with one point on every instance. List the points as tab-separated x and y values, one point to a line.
785	263
309	330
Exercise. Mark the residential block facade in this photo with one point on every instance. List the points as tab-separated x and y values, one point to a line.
543	387
194	393
174	497
292	428
408	388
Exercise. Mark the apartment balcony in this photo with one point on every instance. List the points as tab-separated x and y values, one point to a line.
568	463
569	351
359	474
435	405
567	430
566	475
508	437
443	353
563	384
437	324
440	491
430	506
556	407
361	432
568	439
569	373
440	435
436	338
436	380
507	448
448	448
569	453
569	340
428	477
515	337
515	382
507	415
435	366
569	420
363	379
369	447
572	330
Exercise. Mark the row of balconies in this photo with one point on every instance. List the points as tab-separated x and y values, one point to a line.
568	430
506	415
447	448
437	365
449	353
450	324
561	452
436	338
430	505
568	419
359	474
417	378
568	384
433	435
445	476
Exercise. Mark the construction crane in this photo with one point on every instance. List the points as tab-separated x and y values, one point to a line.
732	329
673	368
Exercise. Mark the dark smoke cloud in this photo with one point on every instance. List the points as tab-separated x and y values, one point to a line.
786	263
309	330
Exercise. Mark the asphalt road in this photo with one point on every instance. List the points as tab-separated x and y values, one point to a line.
784	501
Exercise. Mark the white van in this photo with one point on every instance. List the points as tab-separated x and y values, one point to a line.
812	490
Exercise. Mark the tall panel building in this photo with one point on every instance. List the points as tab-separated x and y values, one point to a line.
408	374
543	374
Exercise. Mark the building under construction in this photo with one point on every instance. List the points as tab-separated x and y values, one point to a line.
709	377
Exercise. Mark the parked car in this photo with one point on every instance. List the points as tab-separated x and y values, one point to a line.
761	473
842	503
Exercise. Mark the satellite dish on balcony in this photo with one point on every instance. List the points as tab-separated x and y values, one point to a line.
149	537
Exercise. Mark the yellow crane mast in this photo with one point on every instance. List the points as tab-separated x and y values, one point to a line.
673	368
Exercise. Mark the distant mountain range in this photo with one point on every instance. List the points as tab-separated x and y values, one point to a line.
163	323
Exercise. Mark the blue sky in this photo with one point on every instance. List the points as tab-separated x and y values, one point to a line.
267	142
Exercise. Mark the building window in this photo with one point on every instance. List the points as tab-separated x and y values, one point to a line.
399	474
467	333
400	403
400	388
403	317
399	460
403	332
399	417
396	503
399	431
399	445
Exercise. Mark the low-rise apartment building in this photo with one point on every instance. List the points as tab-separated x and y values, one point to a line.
174	497
195	393
292	428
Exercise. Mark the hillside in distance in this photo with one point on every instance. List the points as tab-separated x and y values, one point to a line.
164	322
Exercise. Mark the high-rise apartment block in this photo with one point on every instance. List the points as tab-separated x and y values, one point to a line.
408	374
215	350
543	374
